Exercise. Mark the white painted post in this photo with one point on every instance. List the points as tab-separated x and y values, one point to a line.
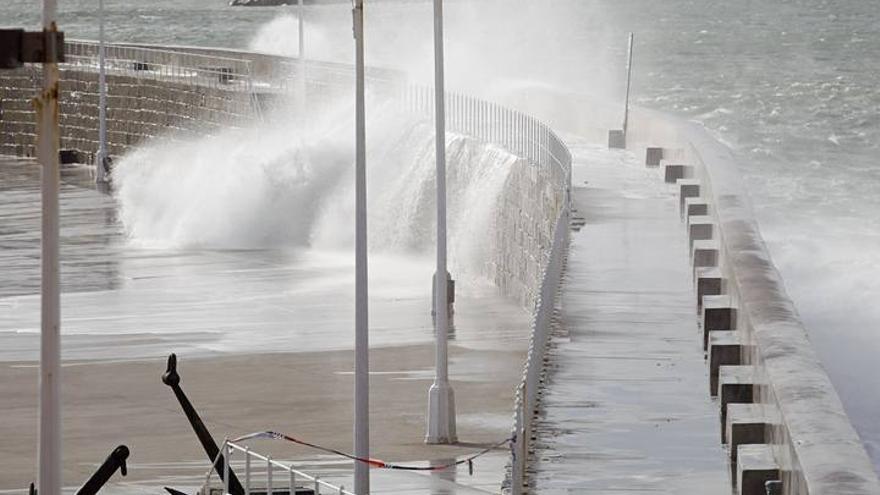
441	399
247	471
301	60
292	481
49	450
226	460
362	358
269	488
100	173
629	63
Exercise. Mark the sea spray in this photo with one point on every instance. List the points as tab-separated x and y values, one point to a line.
242	188
285	185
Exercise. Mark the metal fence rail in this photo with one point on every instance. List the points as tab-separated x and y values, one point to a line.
486	121
164	65
261	470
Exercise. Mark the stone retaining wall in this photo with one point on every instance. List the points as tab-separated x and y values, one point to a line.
138	109
531	202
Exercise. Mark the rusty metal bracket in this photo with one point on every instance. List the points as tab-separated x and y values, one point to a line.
18	47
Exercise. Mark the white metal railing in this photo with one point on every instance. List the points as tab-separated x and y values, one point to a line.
525	403
165	65
521	134
258	467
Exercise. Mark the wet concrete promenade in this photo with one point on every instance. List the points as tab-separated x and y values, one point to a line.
626	408
264	339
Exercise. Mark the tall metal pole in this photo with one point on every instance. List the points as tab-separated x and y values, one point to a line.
362	360
441	400
101	157
49	476
301	57
629	64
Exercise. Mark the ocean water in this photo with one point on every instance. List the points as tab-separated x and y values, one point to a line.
790	86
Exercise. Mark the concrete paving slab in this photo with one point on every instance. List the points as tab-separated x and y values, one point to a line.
625	409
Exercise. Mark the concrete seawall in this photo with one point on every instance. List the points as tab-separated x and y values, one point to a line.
790	417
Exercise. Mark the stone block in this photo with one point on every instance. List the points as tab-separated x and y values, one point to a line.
748	424
674	171
616	139
736	385
653	155
705	254
707	282
695	207
756	466
725	349
700	228
687	188
718	313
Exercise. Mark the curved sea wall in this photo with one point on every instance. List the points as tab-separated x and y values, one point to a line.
753	333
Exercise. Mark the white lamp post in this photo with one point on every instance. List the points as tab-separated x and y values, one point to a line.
629	64
441	400
101	156
301	58
49	450
362	361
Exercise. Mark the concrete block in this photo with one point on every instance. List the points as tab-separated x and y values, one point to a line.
725	349
718	313
653	156
674	171
707	282
687	188
695	207
755	468
700	228
748	424
705	254
736	385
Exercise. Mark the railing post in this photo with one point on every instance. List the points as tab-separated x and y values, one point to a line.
292	481
318	486
226	452
247	471
269	489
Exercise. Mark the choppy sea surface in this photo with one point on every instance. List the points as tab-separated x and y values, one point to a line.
791	86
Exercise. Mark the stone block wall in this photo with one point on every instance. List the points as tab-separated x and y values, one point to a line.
138	109
532	200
